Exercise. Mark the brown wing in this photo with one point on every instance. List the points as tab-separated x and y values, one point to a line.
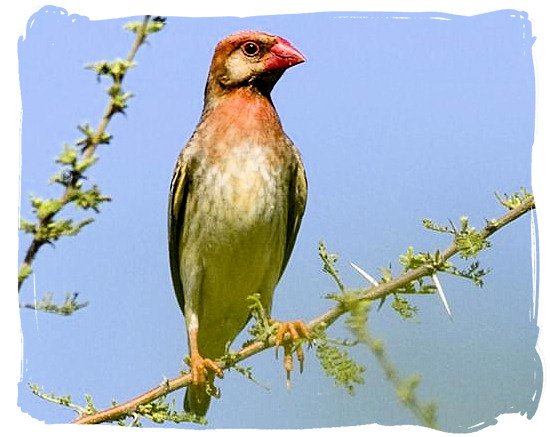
297	197
177	201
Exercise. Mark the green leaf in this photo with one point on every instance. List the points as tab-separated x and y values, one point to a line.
27	226
120	102
411	260
68	156
428	224
36	202
90	407
133	26
474	273
159	411
404	308
24	272
338	365
89	135
407	389
115	69
358	317
67	308
60	400
471	244
91	198
262	329
64	178
48	208
155	25
514	200
54	230
329	264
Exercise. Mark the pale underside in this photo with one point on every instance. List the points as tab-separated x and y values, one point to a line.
235	245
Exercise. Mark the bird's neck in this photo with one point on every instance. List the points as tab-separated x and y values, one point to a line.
215	94
242	113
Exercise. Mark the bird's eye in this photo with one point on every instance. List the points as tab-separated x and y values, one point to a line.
250	48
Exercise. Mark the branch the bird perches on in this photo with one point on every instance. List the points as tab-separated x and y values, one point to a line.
324	320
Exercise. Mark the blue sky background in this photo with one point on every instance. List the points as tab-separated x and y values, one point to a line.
397	119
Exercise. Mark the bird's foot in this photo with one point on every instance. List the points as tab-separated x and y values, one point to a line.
297	332
200	367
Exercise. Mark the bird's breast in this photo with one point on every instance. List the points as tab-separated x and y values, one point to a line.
245	188
234	241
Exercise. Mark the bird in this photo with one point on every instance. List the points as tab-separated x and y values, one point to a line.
237	198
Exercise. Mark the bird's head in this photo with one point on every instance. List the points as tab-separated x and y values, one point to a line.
250	58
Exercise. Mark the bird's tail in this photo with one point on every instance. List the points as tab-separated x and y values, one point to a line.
196	400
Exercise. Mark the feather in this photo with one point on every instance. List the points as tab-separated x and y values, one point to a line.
237	197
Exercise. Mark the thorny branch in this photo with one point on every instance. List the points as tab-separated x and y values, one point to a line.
321	322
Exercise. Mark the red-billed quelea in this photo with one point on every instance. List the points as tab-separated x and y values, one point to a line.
237	198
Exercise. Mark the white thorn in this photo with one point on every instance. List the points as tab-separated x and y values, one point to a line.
365	274
441	294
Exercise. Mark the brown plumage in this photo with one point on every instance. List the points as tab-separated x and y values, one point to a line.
236	201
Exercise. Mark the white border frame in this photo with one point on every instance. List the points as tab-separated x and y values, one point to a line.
14	25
